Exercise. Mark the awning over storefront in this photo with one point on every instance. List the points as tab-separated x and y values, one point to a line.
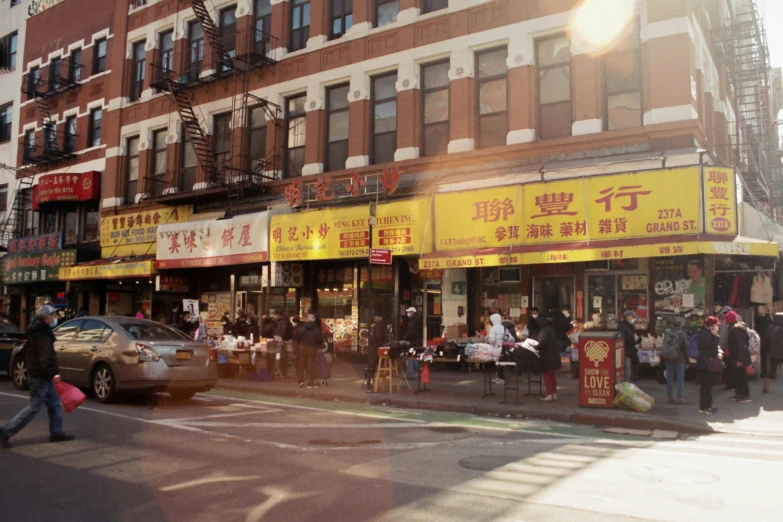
118	268
404	227
215	242
599	251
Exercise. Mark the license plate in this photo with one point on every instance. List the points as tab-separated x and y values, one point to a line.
184	356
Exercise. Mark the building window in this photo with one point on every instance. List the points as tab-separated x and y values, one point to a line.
554	87
159	162
386	12
70	134
94	136
29	144
228	34
492	74
49	222
435	108
428	6
384	120
221	143
3	197
6	121
342	17
50	137
257	145
137	75
75	70
300	24
195	50
30	218
99	56
263	13
33	77
8	45
623	85
55	72
337	127
189	163
15	2
92	223
71	227
132	170
166	57
295	136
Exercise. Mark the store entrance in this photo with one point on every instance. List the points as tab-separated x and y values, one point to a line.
433	311
551	294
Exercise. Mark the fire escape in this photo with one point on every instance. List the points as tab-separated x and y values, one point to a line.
235	56
54	146
754	134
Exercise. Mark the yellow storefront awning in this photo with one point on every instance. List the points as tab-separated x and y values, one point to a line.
602	251
143	266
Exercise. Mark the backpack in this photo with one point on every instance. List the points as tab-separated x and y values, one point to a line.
671	346
754	342
693	347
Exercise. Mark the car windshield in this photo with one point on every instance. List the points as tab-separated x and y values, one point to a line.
154	332
7	326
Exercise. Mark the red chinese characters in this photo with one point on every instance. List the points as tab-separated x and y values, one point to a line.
244	236
554	204
277	235
323	189
190	241
228	237
630	192
493	211
174	246
323	230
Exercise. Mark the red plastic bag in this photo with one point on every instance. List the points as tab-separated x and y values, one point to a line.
750	370
425	373
71	396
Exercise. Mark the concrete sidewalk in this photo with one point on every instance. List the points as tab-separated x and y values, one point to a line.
453	390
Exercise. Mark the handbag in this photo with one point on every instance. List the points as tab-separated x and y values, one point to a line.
750	370
715	365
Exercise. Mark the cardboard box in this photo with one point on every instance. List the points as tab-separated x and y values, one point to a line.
456	331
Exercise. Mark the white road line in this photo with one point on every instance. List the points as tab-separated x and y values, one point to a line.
221	415
205	480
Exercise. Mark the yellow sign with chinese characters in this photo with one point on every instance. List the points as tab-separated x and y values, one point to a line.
335	233
485	218
110	271
720	200
135	233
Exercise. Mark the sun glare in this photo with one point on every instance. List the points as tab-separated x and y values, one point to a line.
598	23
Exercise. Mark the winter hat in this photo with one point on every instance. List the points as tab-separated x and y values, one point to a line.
629	314
711	321
731	317
726	309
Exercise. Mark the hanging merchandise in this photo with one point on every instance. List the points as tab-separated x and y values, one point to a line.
761	289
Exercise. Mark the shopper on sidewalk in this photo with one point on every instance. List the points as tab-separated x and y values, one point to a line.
532	324
772	352
228	326
549	356
723	344
43	372
498	334
675	351
414	334
630	341
378	338
284	331
740	356
309	338
708	349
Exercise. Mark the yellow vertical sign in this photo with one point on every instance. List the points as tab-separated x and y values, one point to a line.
720	200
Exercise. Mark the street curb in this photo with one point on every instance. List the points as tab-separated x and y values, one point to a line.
517	411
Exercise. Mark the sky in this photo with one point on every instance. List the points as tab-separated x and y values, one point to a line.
773	15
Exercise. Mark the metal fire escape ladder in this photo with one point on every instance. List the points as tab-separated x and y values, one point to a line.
13	215
225	62
198	138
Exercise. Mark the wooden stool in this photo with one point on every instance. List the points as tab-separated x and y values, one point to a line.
389	371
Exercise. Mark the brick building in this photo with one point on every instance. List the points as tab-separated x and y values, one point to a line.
311	109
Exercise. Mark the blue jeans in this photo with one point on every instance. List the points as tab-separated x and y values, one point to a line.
42	393
412	365
628	369
677	368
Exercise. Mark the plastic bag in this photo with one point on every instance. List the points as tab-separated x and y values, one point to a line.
631	396
71	396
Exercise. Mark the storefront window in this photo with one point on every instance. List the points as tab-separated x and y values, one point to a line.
337	305
283	300
92	222
71	227
609	295
500	293
679	292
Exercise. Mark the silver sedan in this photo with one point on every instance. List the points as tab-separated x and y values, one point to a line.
110	355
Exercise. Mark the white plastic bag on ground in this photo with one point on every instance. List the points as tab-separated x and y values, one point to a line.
630	395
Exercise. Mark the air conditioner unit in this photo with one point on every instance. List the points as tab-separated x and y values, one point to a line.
509	275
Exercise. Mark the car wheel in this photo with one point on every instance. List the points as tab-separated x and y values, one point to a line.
182	395
19	373
103	384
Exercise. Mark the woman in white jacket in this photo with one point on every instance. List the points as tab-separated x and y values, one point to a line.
498	334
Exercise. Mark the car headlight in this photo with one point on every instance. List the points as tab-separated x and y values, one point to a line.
147	354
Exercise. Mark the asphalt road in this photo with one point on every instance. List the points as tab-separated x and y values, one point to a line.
231	457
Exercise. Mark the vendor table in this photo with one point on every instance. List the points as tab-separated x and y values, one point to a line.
422	387
510	368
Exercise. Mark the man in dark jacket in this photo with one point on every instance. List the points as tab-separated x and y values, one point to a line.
284	331
309	339
771	351
708	340
740	356
549	357
630	340
184	324
414	334
378	338
42	372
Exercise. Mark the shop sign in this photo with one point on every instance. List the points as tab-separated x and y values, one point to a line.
110	271
66	187
37	267
239	240
335	188
402	227
620	206
136	232
171	284
601	363
428	275
720	201
380	256
380	274
34	244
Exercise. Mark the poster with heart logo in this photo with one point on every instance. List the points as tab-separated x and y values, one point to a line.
601	366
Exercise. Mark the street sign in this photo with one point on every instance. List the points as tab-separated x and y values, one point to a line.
380	256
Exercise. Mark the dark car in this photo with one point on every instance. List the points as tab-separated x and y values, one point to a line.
10	338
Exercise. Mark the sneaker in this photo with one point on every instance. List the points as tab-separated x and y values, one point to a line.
767	385
498	381
707	412
681	402
743	399
734	398
61	438
670	401
4	440
555	396
301	385
714	410
549	398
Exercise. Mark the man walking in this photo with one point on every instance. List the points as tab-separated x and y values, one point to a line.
43	372
414	334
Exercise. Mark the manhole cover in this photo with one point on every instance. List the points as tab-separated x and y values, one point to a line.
671	475
342	444
447	429
485	462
